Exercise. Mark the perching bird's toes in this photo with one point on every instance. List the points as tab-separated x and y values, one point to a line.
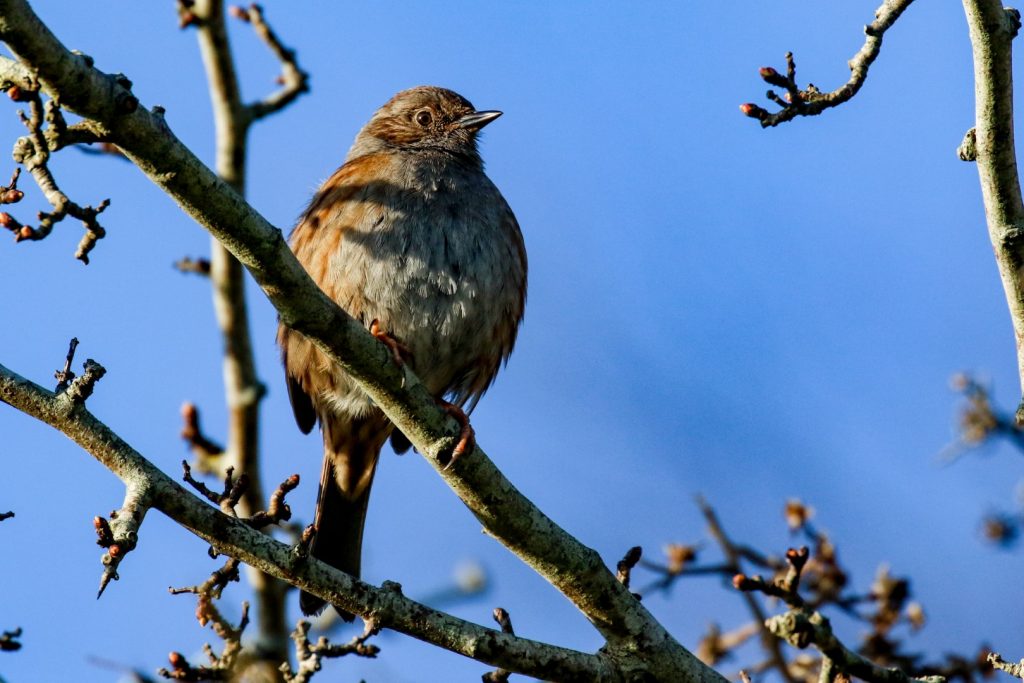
467	436
399	351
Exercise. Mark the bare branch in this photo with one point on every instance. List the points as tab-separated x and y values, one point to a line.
503	620
33	151
801	630
293	80
120	535
997	662
212	588
626	564
310	655
226	500
222	666
9	193
242	386
236	538
811	101
732	555
65	375
992	29
716	646
278	510
204	448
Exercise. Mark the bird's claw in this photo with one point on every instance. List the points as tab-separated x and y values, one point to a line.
399	351
467	435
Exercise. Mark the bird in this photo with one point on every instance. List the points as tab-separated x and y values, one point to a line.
412	239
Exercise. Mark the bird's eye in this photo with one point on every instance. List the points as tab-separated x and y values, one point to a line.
424	118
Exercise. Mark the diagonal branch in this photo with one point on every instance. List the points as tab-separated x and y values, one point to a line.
232	536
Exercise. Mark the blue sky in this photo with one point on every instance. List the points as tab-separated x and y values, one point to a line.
713	308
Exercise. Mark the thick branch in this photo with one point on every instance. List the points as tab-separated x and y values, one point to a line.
232	536
992	30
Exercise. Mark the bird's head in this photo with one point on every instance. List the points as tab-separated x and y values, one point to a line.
426	118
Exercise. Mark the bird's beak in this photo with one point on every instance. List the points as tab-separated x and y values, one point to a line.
477	119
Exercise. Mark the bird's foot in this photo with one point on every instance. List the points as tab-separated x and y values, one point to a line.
399	351
467	436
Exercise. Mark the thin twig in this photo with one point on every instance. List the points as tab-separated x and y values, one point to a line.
199	266
768	641
310	655
811	101
293	80
203	447
65	375
33	151
504	621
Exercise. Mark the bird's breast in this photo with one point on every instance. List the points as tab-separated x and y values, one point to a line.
432	259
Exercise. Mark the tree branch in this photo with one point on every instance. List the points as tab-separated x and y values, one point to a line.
801	629
992	29
810	101
33	151
1014	669
235	537
294	81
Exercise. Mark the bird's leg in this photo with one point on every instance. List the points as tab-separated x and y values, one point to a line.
399	351
467	436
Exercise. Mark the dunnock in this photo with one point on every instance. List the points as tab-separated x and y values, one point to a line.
411	238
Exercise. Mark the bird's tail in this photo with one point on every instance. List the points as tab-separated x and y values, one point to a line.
350	460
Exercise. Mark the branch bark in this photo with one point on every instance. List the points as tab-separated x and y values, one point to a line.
636	641
232	536
992	30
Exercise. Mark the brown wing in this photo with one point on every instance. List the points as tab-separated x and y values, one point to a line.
341	204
